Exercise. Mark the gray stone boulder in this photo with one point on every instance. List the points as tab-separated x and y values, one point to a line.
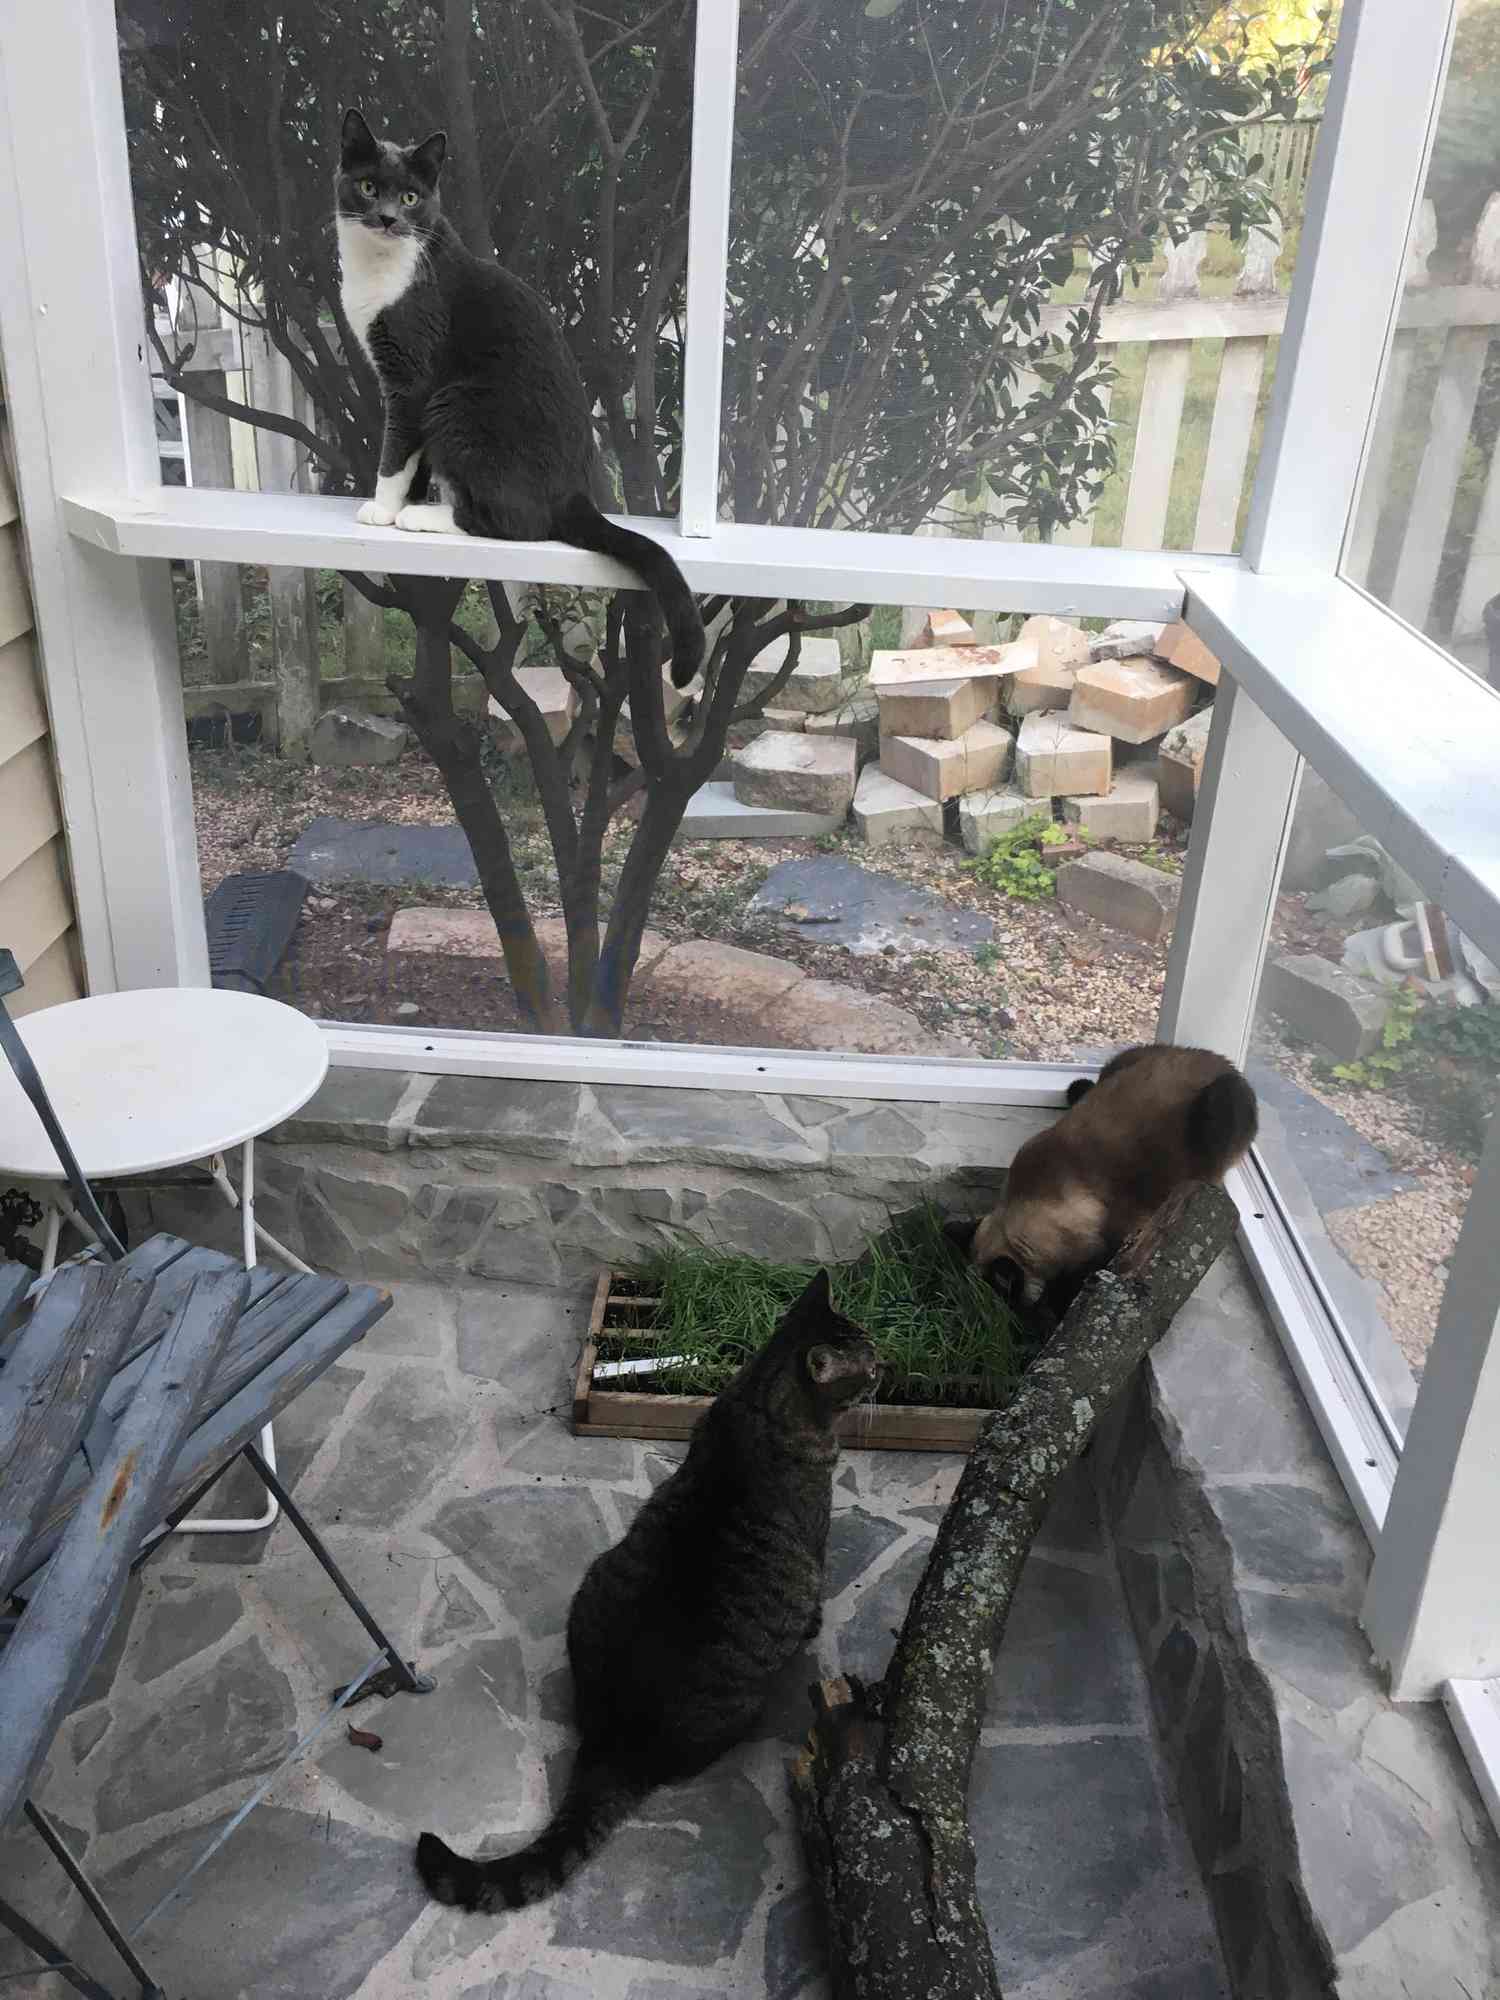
1125	895
799	772
349	736
1325	1004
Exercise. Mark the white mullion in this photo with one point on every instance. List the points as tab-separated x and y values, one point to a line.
1364	187
1363	190
715	75
81	410
1432	1609
1240	826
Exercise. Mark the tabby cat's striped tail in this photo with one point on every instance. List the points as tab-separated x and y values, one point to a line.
599	1796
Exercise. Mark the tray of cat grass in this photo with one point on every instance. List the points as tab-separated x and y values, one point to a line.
665	1337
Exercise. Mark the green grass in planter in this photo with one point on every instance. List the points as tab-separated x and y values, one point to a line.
943	1334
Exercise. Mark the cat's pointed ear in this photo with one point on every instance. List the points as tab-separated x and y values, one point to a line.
426	160
819	1295
356	140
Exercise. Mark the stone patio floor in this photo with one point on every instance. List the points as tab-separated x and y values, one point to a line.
436	1459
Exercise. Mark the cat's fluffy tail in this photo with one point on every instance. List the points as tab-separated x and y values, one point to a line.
581	524
598	1797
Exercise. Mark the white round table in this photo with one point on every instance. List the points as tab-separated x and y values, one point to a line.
158	1078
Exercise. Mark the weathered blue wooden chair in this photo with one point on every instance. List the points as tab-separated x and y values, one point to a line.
127	1384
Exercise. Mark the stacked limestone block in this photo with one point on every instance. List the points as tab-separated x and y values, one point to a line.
940	737
555	696
1145	684
791	770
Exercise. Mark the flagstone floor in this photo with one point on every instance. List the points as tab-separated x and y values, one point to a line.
437	1460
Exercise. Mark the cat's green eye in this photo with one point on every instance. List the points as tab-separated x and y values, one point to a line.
367	189
409	200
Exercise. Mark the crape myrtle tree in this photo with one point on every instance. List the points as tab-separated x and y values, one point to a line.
913	180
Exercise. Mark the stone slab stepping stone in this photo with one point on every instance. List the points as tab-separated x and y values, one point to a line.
714	813
1341	1168
370	850
434	932
912	669
838	902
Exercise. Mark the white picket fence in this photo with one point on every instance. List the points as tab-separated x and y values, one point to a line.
1405	523
1430	414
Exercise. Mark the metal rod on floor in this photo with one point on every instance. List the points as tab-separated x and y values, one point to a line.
346	1695
411	1681
52	1959
98	1908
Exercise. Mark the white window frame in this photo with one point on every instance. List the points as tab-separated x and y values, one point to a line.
1307	657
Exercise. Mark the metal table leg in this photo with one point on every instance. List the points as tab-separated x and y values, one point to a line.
243	1198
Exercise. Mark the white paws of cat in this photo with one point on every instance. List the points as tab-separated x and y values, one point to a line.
373	515
427	520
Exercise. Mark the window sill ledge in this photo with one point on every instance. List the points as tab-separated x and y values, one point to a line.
312	531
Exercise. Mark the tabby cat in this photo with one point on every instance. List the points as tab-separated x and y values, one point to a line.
481	391
676	1632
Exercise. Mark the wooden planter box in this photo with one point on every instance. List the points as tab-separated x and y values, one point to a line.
606	1411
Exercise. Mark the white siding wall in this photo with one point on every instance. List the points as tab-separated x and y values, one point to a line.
36	897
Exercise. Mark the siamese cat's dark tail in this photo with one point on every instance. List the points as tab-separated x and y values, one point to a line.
581	524
599	1796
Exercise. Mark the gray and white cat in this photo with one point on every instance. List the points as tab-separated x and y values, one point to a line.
481	391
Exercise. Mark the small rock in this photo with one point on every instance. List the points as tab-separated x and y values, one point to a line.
1126	638
1350	896
405	1009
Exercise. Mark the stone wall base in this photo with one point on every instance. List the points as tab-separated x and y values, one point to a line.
391	1175
1344	1846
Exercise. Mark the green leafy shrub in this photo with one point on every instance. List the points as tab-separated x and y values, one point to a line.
1383	1065
1015	862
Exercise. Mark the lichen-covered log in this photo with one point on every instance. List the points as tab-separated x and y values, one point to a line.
882	1789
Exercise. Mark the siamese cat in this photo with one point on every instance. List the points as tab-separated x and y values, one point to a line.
1158	1120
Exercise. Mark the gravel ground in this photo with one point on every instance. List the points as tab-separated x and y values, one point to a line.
1056	985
